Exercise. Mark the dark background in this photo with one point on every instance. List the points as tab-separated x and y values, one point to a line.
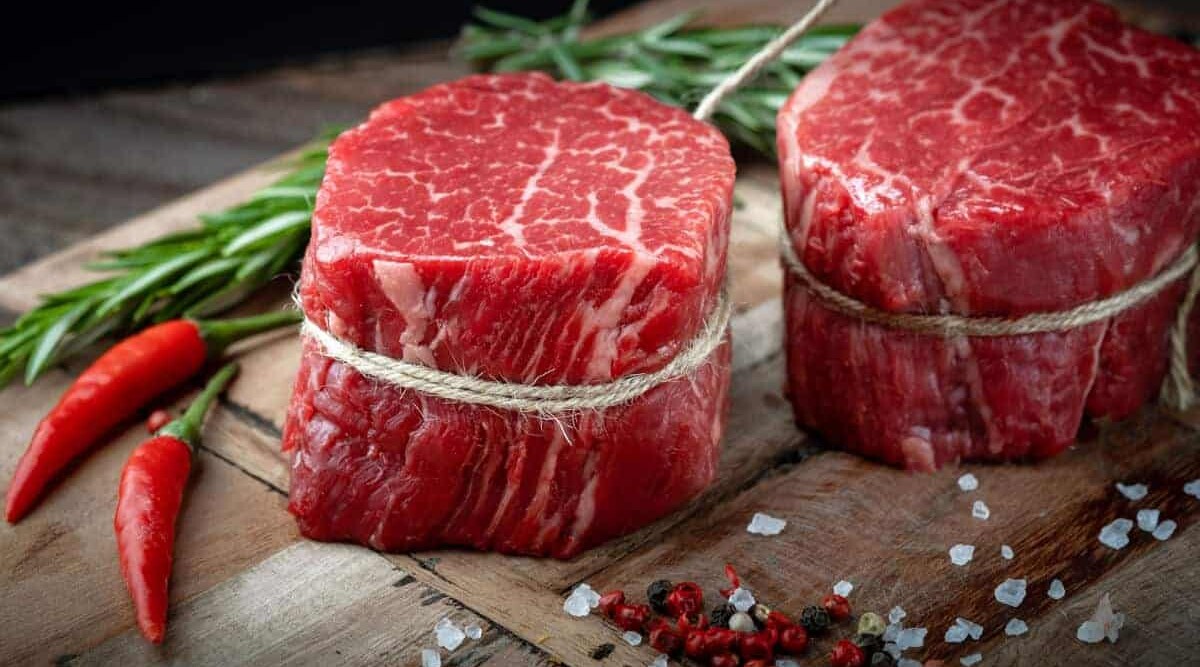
57	47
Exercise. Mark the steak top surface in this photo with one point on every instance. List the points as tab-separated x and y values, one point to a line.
518	228
994	157
520	166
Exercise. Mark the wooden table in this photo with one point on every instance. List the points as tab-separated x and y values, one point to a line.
249	589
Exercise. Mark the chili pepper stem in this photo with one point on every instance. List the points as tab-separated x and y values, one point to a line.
220	334
186	428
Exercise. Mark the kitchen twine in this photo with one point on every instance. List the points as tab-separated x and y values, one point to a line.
550	400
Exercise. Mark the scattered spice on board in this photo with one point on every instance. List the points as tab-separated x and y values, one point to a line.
449	636
1011	592
1006	552
968	482
765	524
1147	520
961	554
1133	491
1116	534
1192	488
843	588
973	659
430	658
1056	591
1104	624
1164	531
980	510
1016	627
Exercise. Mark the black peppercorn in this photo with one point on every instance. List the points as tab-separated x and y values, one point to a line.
815	619
882	659
657	593
870	644
720	615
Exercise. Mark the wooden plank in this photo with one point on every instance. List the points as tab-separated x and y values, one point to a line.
889	533
315	604
60	588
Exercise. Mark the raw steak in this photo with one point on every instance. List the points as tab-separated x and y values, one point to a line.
986	159
515	229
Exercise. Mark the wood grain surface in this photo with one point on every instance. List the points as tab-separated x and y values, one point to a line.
248	590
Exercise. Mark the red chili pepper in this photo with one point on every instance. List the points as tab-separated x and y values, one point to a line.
116	387
148	500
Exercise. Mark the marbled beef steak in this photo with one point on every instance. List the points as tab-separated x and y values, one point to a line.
515	229
986	158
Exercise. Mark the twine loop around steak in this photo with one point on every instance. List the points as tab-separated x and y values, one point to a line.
1178	389
528	398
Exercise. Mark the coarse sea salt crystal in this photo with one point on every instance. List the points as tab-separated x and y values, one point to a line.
662	661
1133	491
891	649
955	634
908	662
741	599
1090	632
449	635
784	662
896	614
968	482
1011	592
592	597
577	606
765	524
961	554
430	658
1165	530
1147	520
980	510
1016	627
1104	623
1192	488
1116	534
1057	591
474	631
972	659
891	632
632	638
910	638
1006	552
973	629
843	588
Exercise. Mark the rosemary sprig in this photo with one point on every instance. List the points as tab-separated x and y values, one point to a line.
197	272
676	65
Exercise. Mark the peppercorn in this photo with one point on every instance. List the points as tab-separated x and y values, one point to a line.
778	619
760	612
720	640
846	654
631	616
793	639
759	645
696	645
720	614
871	623
609	602
741	622
690	622
666	639
686	598
657	593
725	660
815	619
870	644
837	606
883	659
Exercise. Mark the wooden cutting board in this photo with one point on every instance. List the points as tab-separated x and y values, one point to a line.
248	589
